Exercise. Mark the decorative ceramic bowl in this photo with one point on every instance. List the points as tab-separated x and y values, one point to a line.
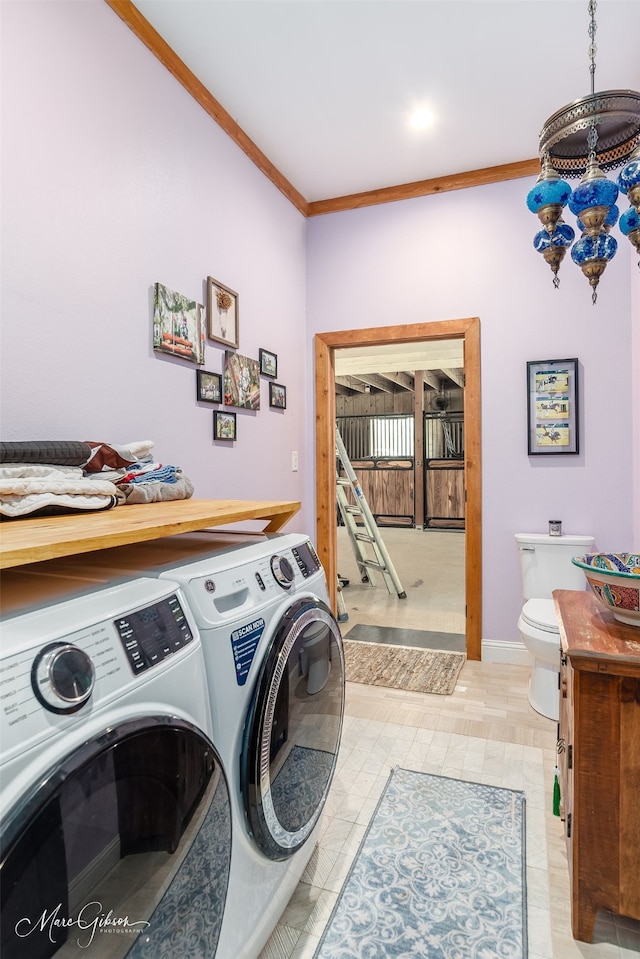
615	580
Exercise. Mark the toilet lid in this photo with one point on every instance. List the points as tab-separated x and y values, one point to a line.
541	613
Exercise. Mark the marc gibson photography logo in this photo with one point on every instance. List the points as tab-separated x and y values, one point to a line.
90	921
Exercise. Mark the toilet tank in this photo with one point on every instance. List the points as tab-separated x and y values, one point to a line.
545	562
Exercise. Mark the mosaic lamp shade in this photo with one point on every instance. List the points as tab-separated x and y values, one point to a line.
591	254
629	179
548	197
592	198
553	246
630	227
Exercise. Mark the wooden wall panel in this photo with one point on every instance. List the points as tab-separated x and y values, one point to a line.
388	490
445	493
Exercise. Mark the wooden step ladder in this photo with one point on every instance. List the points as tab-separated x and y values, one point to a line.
369	549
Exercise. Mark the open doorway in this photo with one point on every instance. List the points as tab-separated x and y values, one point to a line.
468	330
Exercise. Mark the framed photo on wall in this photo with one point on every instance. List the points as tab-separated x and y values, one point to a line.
268	363
224	426
552	406
208	387
241	381
178	325
222	313
277	396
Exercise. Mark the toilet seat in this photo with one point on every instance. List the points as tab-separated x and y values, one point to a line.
541	614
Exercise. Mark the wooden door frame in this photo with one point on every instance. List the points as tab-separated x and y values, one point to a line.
325	401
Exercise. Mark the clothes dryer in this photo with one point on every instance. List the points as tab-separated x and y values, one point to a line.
115	813
275	670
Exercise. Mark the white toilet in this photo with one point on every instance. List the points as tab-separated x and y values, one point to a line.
545	562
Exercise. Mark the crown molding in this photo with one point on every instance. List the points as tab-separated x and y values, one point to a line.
441	184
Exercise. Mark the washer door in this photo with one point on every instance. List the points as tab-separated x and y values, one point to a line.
293	727
122	849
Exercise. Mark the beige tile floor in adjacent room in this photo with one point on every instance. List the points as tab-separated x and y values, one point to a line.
485	732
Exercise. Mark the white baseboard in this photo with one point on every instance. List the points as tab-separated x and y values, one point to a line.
509	654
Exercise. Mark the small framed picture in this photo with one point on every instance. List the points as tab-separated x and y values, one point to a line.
552	406
241	381
222	313
278	396
224	425
268	364
208	387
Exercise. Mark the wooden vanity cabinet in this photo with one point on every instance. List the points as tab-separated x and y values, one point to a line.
599	759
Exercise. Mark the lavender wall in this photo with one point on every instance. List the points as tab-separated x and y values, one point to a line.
470	253
114	178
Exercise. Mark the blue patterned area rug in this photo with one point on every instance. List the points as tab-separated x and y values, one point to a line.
440	874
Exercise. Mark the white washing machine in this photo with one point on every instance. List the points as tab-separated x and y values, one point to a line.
115	813
275	669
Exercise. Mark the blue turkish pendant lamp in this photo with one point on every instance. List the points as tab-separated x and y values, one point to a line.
630	226
553	246
595	133
629	183
591	202
547	199
591	254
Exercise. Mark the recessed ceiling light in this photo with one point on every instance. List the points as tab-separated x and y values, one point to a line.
422	118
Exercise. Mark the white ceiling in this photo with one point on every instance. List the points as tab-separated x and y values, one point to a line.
325	87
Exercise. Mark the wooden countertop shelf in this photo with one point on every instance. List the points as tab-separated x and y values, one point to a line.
27	540
593	637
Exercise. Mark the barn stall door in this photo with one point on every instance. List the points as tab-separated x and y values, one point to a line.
381	451
444	471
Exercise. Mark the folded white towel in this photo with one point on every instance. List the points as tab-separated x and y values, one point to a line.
26	489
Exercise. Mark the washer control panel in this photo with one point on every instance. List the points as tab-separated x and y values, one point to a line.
151	634
226	587
60	663
306	558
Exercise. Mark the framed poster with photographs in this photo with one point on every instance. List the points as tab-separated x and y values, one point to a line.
208	387
277	396
224	426
552	406
268	363
222	313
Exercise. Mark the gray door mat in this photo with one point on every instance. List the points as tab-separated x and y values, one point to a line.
396	636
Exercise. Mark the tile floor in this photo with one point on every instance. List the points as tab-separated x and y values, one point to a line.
485	732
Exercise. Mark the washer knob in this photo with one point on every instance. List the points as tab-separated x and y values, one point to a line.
63	677
282	571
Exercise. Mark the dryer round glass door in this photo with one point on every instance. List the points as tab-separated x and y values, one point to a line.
111	848
293	727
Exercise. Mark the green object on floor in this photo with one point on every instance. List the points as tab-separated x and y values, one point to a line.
556	792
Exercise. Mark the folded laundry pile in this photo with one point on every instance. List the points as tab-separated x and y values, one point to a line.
48	477
27	489
154	482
